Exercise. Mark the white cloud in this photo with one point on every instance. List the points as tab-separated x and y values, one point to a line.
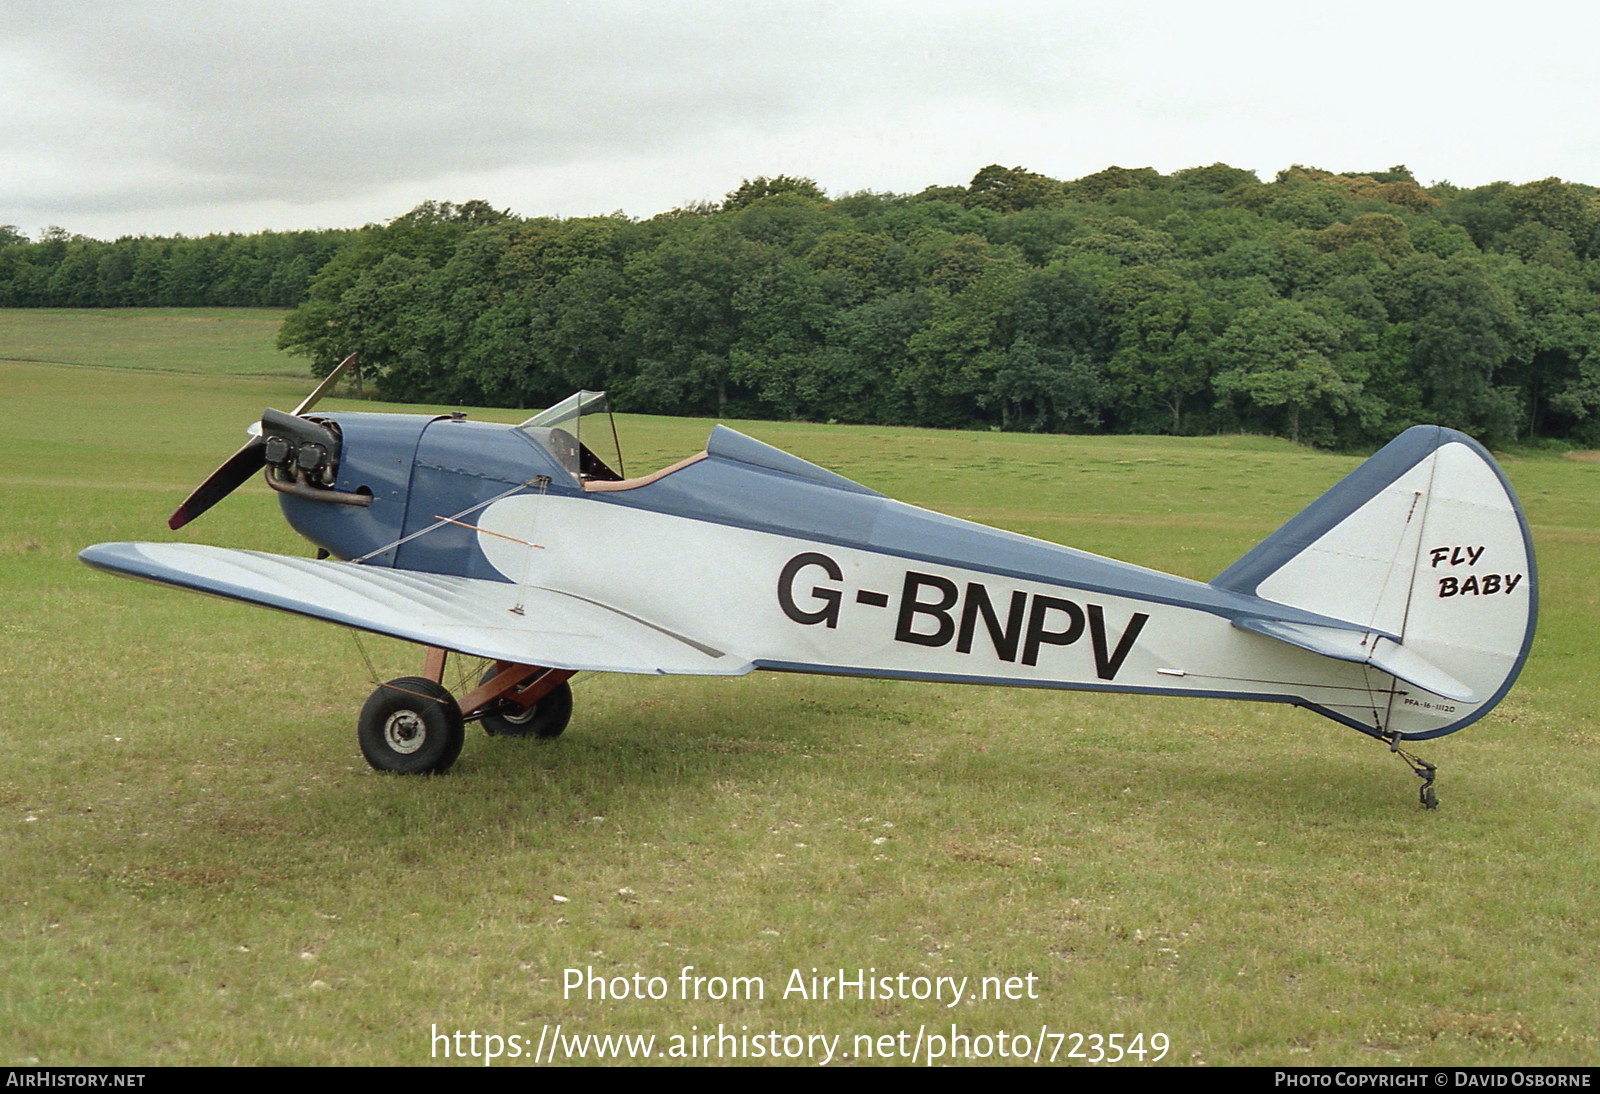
165	115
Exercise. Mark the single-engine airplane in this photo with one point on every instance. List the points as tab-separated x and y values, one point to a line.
1401	603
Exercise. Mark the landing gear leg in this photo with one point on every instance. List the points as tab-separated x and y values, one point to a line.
521	701
414	726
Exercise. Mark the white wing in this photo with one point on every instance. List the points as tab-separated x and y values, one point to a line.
494	619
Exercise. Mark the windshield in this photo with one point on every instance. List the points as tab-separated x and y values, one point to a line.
579	433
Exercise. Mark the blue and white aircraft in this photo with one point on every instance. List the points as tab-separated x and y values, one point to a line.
1401	603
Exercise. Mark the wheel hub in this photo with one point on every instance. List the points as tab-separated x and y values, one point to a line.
404	732
518	716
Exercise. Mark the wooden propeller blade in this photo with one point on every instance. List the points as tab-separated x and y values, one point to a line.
221	482
245	462
321	389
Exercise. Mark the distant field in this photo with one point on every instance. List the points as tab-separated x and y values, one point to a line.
198	867
222	341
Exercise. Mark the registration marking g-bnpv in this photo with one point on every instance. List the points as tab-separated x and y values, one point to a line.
933	611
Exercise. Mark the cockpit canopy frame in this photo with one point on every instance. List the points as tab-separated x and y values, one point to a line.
580	433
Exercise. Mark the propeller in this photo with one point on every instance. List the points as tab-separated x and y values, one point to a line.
245	462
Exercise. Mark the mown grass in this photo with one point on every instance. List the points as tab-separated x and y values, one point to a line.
199	868
219	341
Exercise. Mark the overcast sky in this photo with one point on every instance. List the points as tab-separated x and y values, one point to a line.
162	116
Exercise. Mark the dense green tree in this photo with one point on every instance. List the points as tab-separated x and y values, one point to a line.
873	338
790	221
851	266
1218	178
1124	241
1559	318
1010	189
683	316
1562	209
1114	181
760	188
1164	325
1285	357
1462	329
1335	308
1053	374
1382	233
956	355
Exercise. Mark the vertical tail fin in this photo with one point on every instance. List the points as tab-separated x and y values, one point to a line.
1426	546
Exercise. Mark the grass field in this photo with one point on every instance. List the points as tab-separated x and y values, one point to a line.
198	867
228	341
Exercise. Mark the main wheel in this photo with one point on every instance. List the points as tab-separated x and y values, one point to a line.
411	726
545	719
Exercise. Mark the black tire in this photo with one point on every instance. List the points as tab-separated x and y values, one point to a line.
411	726
545	720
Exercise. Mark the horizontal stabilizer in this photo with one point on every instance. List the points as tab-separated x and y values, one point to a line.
1364	648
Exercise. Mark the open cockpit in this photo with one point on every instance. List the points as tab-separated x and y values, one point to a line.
580	434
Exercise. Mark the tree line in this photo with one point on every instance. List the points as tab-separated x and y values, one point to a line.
1329	308
261	270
